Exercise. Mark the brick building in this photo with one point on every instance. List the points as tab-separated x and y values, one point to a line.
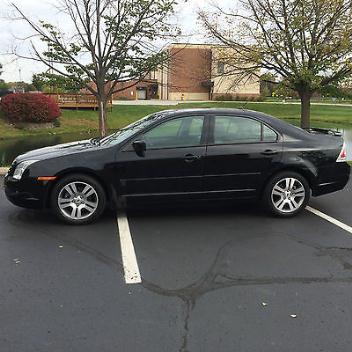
193	73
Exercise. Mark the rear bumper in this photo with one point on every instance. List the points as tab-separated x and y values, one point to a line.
332	180
329	188
26	193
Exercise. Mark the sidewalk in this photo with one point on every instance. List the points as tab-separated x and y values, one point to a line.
177	102
145	102
161	102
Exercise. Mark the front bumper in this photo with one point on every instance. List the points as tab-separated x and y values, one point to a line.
26	193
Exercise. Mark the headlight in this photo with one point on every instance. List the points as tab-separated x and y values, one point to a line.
21	167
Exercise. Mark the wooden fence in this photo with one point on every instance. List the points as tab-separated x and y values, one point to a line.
76	101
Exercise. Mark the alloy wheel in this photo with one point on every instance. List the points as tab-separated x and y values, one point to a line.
78	200
288	195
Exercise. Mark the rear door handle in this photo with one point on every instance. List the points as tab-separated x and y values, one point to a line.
269	152
190	158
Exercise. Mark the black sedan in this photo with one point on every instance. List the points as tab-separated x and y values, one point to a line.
182	155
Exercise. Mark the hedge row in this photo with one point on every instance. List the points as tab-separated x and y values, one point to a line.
231	97
29	107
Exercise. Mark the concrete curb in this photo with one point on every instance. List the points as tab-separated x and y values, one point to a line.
3	171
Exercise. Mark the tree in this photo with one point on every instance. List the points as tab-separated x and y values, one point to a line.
306	43
113	41
4	87
52	82
39	81
267	84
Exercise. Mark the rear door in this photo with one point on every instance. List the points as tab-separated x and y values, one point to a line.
241	153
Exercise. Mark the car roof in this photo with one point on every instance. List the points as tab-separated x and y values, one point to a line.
240	112
276	123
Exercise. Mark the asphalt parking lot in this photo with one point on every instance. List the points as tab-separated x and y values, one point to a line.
213	278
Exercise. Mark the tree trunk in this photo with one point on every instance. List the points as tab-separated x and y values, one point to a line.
102	116
305	96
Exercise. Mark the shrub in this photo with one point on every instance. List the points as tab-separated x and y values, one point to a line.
256	98
224	97
235	97
29	107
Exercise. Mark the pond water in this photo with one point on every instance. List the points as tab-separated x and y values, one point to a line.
11	148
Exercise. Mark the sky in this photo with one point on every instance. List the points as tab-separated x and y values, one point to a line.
12	31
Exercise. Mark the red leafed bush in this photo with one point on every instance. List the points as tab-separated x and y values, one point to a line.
29	107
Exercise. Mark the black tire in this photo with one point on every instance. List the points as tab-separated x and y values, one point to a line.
271	200
80	181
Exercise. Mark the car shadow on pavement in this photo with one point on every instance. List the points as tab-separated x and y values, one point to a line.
46	217
199	209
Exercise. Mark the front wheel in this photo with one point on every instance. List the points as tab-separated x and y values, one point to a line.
78	199
286	194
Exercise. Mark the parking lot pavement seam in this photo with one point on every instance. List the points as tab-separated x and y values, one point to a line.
74	243
214	279
336	253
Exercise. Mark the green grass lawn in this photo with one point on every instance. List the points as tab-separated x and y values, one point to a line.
73	121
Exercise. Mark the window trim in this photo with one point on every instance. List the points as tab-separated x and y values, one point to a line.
127	147
273	130
211	133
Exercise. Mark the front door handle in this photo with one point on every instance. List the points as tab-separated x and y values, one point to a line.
190	158
269	152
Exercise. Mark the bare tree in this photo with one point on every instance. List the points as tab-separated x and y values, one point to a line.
306	43
113	42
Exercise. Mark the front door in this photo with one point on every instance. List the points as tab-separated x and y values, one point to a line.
173	163
241	153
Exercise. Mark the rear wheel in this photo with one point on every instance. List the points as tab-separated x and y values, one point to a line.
78	199
286	194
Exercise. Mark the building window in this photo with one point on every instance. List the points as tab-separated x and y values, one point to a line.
221	67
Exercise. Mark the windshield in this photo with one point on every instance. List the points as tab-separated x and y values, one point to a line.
123	134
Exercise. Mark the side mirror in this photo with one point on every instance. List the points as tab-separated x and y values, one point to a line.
139	147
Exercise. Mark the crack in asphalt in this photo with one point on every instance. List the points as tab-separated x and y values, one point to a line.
336	253
79	245
215	278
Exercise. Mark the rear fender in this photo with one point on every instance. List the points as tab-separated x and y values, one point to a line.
306	169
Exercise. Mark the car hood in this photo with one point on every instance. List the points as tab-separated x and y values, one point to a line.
56	151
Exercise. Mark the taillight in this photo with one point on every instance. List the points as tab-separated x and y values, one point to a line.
343	154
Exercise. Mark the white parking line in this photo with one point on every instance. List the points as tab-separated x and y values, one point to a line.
129	259
330	219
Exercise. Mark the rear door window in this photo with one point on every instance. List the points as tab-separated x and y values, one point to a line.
234	129
269	135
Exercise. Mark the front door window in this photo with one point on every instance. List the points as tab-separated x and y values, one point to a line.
180	132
